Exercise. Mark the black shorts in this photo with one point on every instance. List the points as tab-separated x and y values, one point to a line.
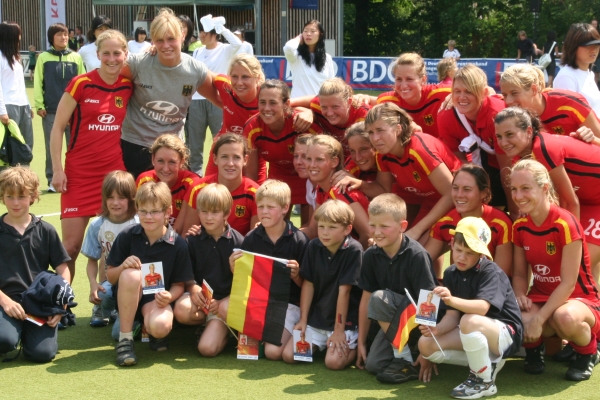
137	159
551	69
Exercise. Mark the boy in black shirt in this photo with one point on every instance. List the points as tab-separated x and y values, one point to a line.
152	240
395	264
210	250
277	237
330	297
480	299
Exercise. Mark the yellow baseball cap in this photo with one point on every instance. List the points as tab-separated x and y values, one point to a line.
477	234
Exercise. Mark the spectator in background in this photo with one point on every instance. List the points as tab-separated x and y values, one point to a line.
73	44
451	52
14	103
194	43
188	29
525	47
446	69
551	47
139	44
580	50
246	47
309	63
80	36
596	67
89	52
33	55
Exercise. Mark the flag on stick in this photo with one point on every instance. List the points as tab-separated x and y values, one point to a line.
402	324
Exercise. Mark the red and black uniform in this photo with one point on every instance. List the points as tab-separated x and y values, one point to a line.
425	112
428	311
153	279
355	196
235	115
355	114
422	154
278	151
582	164
543	246
244	202
180	192
500	225
95	146
354	169
565	111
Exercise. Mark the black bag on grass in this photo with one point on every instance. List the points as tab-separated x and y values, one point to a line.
14	150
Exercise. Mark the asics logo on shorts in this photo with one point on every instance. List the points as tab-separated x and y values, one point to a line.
69	210
164	107
542	269
106	118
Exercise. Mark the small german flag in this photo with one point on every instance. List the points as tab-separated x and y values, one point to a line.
259	297
402	324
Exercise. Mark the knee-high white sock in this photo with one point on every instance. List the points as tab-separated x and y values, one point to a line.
454	357
478	353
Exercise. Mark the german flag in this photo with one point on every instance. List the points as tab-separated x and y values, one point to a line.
402	324
259	297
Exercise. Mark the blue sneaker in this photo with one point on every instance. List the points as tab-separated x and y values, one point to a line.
97	319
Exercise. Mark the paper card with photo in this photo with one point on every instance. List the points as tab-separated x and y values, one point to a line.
152	278
207	292
36	320
427	308
302	346
249	348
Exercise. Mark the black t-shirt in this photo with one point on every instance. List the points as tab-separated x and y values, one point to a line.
210	259
488	282
547	47
327	273
290	246
409	269
171	250
22	257
526	47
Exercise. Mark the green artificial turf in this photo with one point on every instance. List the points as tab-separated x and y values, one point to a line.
85	365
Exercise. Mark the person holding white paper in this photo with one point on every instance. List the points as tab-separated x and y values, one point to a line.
482	326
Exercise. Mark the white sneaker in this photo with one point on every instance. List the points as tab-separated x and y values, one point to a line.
51	189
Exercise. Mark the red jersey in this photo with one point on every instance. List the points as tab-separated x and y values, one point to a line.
367	176
500	225
356	114
244	202
422	154
453	131
153	279
447	82
96	123
581	161
180	192
355	196
565	111
428	311
543	247
235	112
425	112
278	151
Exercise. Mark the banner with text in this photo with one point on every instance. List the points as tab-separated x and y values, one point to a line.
55	13
375	73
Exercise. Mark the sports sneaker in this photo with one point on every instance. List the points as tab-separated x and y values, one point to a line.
582	366
125	354
97	319
534	360
399	371
496	367
114	314
566	354
474	388
158	344
51	188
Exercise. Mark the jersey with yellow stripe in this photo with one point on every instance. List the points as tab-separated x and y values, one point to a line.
543	246
96	121
565	111
355	114
422	154
500	224
181	191
425	112
581	161
355	196
244	202
235	111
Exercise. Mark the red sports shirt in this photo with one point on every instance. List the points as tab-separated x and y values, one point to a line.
500	225
543	247
356	114
355	196
425	112
181	192
96	122
565	111
244	202
367	176
452	131
422	155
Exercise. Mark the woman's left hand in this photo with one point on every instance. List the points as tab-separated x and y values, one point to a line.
303	120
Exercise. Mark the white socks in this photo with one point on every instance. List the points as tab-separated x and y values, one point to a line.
478	353
405	353
454	357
